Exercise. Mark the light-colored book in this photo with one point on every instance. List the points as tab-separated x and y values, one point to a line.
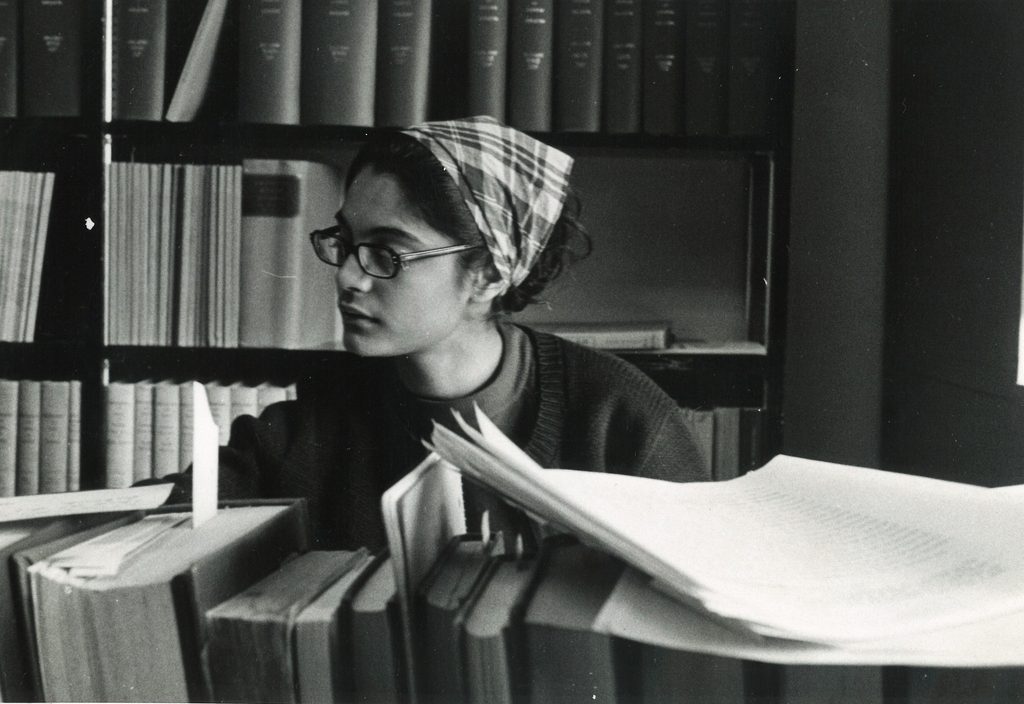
142	449
166	428
8	436
120	434
54	410
194	82
29	402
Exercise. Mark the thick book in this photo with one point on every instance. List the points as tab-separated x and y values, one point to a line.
142	448
622	82
289	299
30	396
487	58
578	47
491	623
439	600
752	66
339	62
448	88
707	66
119	433
166	445
323	647
570	660
376	652
10	36
139	53
8	436
151	610
403	62
52	58
54	411
664	66
75	436
262	620
530	64
269	61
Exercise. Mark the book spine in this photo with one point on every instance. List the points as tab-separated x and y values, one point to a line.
142	449
339	62
9	54
530	43
578	44
403	62
664	61
8	437
54	409
166	428
186	424
487	58
139	54
447	92
622	84
196	58
29	401
270	42
75	436
751	66
51	72
707	37
120	434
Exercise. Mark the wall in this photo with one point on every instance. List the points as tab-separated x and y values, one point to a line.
832	403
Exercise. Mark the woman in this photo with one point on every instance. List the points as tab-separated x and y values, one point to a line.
445	227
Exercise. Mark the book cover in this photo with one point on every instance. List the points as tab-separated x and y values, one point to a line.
487	58
289	297
377	655
8	436
139	36
752	49
530	47
269	61
623	62
30	395
152	610
10	34
51	69
664	66
403	62
578	46
54	410
261	620
339	62
707	61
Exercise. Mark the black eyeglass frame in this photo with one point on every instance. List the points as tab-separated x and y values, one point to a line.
398	261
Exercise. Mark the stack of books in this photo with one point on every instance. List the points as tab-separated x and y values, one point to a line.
40	436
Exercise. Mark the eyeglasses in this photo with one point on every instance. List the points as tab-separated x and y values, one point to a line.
377	260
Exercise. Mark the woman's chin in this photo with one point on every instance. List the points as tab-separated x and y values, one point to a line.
364	345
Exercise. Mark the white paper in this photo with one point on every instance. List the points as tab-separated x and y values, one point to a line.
77	502
204	458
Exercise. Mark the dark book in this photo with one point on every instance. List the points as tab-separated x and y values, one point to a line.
150	611
438	602
51	53
492	653
375	637
578	44
21	544
139	36
752	53
269	60
568	659
530	46
487	59
623	63
449	60
664	64
403	62
9	54
707	60
339	62
667	674
251	644
201	52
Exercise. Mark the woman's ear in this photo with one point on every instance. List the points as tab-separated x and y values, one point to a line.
486	284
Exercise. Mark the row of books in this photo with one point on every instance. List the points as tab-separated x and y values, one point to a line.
149	423
700	67
41	58
40	436
219	255
25	200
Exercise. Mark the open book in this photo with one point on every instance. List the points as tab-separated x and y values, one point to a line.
824	557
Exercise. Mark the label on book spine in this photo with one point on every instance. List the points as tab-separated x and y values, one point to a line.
664	39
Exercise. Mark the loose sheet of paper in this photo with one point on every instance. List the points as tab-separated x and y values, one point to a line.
204	458
75	502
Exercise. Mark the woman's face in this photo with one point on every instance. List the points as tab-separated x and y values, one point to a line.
424	307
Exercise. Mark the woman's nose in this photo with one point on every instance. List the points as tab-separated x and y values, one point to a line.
350	276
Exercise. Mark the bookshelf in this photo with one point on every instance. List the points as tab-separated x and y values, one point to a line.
724	296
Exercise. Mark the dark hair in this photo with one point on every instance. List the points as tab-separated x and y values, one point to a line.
438	199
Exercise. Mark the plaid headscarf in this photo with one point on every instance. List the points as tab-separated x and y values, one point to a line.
514	185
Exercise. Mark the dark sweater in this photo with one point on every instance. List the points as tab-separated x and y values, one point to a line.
350	436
